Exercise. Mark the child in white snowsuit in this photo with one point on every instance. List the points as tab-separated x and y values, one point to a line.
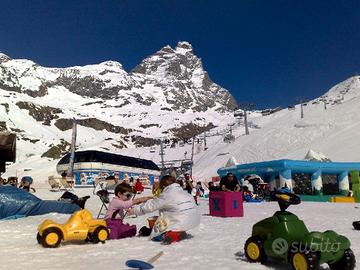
178	212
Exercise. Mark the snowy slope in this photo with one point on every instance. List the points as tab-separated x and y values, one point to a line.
334	132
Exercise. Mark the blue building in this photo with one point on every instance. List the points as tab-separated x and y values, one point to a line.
280	173
92	165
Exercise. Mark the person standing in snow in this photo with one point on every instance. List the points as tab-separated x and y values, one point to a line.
178	212
197	191
190	187
188	183
138	187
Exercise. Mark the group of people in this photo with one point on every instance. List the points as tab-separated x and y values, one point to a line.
227	183
231	183
25	182
177	210
193	188
136	185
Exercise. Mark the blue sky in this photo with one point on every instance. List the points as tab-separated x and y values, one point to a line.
267	52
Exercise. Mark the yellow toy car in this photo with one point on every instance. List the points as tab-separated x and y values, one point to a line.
80	226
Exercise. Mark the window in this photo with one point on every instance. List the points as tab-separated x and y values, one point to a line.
330	184
302	183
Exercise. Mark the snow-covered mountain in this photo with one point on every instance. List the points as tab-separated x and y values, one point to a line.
169	94
166	95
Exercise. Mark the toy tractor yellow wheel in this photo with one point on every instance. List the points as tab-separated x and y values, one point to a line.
254	250
100	234
347	262
51	238
304	260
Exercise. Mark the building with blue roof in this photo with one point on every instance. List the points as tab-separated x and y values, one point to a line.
279	173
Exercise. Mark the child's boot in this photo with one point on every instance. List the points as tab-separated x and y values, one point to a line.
172	236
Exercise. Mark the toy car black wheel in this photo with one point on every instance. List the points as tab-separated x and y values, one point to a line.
89	237
100	234
304	260
51	238
38	238
347	262
254	250
356	225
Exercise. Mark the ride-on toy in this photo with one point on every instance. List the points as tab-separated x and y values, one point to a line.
80	226
285	237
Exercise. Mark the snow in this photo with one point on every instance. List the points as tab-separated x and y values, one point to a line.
216	244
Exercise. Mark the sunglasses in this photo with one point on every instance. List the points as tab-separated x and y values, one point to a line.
128	195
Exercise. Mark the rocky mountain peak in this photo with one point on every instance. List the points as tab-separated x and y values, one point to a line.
113	64
4	57
178	63
184	45
183	80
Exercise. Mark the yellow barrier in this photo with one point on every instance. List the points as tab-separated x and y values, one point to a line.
343	199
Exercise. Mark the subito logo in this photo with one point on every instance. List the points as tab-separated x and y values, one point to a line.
280	246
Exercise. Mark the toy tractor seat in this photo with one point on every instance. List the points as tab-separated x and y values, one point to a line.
285	199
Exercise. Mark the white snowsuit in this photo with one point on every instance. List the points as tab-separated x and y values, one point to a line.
176	205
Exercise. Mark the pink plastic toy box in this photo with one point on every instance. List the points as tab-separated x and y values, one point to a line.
226	204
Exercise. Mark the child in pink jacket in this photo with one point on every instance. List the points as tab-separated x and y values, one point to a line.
115	214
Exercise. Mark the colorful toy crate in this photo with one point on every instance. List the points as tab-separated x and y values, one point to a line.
226	204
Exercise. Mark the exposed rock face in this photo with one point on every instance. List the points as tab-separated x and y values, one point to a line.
149	125
40	113
3	126
142	141
4	57
190	130
66	124
6	106
119	145
57	151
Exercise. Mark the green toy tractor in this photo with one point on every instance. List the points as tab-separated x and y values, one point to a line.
285	237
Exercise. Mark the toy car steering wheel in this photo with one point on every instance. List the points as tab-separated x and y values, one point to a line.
286	199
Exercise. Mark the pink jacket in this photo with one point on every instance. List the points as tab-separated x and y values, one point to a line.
116	204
